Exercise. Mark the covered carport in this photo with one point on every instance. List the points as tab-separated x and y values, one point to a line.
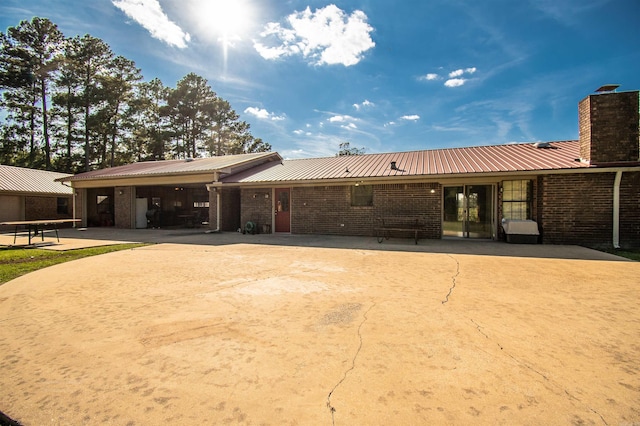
167	193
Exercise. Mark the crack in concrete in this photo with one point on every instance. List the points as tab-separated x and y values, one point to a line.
453	279
544	376
331	408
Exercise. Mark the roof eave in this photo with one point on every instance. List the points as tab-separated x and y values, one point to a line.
426	178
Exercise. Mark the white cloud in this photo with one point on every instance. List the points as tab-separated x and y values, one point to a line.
327	36
150	15
340	118
390	123
263	114
455	82
413	117
455	77
298	132
364	104
350	126
430	77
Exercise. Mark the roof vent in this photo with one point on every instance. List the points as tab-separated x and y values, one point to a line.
542	145
395	167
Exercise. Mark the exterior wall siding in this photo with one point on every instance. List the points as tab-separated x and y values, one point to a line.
256	207
123	207
577	209
38	207
230	213
327	209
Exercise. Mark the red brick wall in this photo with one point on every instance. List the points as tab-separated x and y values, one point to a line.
37	208
609	127
123	209
230	213
256	207
577	209
327	209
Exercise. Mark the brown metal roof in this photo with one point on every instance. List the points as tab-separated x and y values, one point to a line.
30	181
479	159
179	167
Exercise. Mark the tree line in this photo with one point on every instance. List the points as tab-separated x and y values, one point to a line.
72	105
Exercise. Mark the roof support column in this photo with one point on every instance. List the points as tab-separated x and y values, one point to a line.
616	209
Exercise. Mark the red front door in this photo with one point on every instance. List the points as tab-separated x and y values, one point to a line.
283	216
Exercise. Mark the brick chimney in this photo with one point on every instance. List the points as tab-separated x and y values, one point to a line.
609	126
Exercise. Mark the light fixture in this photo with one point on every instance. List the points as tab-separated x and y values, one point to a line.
433	191
121	192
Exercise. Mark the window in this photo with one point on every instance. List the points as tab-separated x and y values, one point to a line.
517	199
201	204
63	205
104	204
361	196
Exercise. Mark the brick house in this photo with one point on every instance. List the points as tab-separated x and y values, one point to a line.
27	194
583	192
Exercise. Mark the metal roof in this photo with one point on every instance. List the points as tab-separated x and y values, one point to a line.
178	167
437	162
30	181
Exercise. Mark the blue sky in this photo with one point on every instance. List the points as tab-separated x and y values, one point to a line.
382	75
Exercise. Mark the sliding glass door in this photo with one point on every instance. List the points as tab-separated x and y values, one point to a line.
468	211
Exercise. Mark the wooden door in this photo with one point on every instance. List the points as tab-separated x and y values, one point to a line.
282	207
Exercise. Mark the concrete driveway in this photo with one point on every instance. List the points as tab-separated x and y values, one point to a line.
241	329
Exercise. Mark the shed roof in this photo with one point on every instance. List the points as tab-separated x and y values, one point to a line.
29	181
437	162
221	164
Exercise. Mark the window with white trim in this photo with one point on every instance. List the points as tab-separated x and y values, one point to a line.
517	199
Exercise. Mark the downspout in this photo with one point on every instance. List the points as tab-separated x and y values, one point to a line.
218	199
616	209
73	200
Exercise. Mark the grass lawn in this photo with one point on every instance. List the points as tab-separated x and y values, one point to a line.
17	262
633	254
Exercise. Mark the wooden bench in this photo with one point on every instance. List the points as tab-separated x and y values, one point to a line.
388	224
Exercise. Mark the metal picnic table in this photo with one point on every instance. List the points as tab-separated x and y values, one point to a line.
37	226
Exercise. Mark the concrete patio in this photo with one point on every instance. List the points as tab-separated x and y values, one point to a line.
263	329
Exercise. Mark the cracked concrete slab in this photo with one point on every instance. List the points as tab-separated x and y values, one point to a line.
292	334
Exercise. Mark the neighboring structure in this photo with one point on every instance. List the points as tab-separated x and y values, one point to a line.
579	192
161	193
27	194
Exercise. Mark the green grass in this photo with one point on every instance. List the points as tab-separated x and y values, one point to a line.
17	262
633	254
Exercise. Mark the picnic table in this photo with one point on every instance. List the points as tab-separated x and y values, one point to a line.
411	224
35	227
